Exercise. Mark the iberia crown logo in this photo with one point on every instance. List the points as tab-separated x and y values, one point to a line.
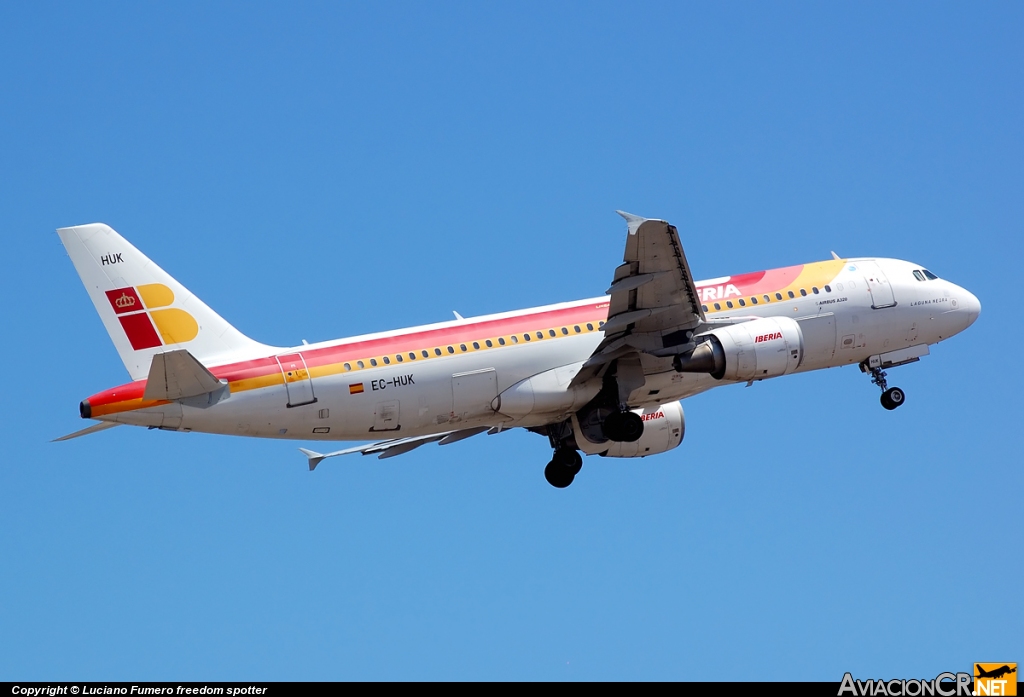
147	318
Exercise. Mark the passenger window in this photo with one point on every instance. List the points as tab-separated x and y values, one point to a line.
462	347
399	358
565	330
767	299
778	296
791	294
828	289
348	366
527	337
540	335
600	324
451	349
590	327
489	343
743	303
704	307
929	275
387	361
412	355
803	293
437	352
360	364
753	300
576	329
551	332
373	361
728	304
425	353
814	289
515	339
501	341
476	344
718	306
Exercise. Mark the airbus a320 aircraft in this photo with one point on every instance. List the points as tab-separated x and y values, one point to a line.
602	376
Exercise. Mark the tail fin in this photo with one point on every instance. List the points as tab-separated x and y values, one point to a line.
146	311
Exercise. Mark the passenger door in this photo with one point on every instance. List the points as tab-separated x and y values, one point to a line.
878	285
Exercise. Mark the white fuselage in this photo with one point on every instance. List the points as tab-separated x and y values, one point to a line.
456	389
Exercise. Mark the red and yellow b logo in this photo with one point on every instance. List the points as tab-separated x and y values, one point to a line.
147	327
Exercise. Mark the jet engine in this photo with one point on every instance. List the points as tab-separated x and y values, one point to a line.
664	427
761	348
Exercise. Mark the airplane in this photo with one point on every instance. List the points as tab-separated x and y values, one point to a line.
603	376
995	672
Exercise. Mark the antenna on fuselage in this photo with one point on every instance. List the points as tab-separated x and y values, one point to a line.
836	257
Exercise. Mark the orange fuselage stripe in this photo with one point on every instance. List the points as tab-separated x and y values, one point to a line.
332	360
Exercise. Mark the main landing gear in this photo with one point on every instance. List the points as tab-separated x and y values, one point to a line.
892	397
563	468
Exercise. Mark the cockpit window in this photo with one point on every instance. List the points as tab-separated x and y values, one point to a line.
918	275
929	275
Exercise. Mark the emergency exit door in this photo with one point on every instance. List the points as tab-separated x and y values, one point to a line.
296	379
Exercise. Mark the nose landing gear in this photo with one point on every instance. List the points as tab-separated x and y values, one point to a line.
563	468
892	397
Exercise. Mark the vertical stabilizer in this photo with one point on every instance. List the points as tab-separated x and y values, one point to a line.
146	311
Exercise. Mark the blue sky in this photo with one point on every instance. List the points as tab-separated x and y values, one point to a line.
323	170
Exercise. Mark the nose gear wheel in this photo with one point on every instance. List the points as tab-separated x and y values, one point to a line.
892	397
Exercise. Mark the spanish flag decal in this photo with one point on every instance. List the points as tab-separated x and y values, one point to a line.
357	388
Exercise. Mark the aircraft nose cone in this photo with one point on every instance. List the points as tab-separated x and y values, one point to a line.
971	307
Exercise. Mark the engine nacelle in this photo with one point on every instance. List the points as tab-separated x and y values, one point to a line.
761	348
546	393
664	427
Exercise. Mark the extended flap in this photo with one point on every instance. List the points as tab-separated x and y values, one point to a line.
177	375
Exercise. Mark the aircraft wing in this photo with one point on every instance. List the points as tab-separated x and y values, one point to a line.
397	446
654	305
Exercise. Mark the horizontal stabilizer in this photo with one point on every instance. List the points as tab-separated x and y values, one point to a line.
177	375
95	428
